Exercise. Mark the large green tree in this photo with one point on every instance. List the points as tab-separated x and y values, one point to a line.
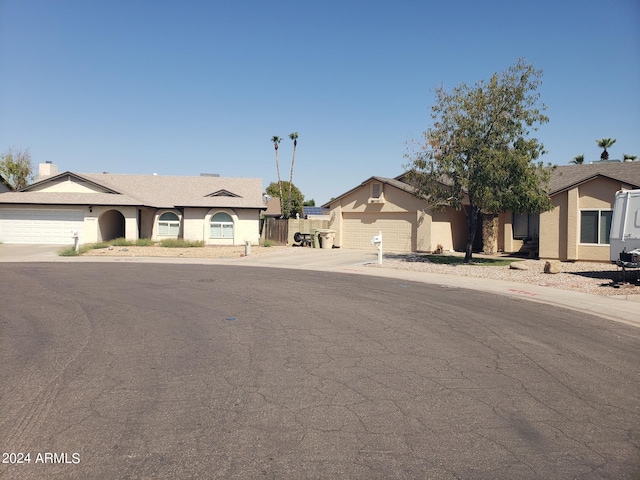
296	200
479	154
16	168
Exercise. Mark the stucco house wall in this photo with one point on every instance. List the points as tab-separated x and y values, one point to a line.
407	225
197	221
560	227
105	206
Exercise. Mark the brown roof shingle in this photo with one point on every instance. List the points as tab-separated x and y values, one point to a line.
567	176
159	191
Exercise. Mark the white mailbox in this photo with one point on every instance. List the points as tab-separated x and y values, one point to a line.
377	241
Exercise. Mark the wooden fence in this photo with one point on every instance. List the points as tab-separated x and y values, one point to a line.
281	231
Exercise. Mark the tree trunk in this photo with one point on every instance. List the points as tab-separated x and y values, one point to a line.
293	159
489	233
472	224
280	185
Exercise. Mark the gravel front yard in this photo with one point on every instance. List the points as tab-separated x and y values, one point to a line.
587	277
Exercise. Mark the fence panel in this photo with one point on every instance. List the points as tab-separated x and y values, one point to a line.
276	230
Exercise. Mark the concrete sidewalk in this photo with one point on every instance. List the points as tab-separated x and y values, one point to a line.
620	308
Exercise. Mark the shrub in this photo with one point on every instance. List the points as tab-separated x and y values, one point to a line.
144	242
266	243
97	246
120	242
180	243
70	251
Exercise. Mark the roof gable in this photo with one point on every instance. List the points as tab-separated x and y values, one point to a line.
568	176
223	193
69	182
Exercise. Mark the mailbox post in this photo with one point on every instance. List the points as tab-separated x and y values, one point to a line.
377	241
75	235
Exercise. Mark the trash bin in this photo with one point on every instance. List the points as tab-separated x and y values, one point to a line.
326	237
314	234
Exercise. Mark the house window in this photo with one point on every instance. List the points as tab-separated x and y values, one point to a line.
376	190
595	226
525	225
169	224
221	226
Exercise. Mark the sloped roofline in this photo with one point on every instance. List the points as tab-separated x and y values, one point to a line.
587	179
71	174
394	182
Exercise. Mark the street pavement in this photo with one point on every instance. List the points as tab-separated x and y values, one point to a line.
619	308
125	369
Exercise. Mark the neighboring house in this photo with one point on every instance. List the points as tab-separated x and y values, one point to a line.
387	205
101	207
583	195
315	213
576	229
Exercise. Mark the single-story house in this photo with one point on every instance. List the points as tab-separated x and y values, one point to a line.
576	229
101	207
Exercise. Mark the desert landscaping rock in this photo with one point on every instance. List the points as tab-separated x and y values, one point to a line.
552	266
518	266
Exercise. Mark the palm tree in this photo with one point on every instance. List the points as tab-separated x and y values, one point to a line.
605	143
578	160
293	136
276	140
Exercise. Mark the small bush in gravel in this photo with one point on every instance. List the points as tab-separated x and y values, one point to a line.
120	242
70	251
266	243
180	243
144	242
98	246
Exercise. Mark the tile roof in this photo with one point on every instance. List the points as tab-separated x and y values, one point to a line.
159	191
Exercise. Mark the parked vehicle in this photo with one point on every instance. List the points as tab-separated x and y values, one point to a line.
624	239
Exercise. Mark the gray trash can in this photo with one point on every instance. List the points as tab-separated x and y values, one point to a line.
326	237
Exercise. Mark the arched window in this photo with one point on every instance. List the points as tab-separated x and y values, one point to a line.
169	224
221	226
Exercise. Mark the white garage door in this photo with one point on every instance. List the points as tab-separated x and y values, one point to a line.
40	226
396	228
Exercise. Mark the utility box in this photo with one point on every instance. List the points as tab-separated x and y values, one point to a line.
326	237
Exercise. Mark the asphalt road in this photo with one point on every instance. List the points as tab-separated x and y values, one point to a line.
208	371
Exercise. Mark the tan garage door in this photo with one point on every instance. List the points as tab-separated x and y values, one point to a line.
396	228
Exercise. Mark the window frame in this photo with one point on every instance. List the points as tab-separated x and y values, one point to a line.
598	227
532	226
225	227
169	224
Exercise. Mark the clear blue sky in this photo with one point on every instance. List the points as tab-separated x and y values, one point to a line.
184	87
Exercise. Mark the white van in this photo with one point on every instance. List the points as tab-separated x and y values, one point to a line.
624	239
